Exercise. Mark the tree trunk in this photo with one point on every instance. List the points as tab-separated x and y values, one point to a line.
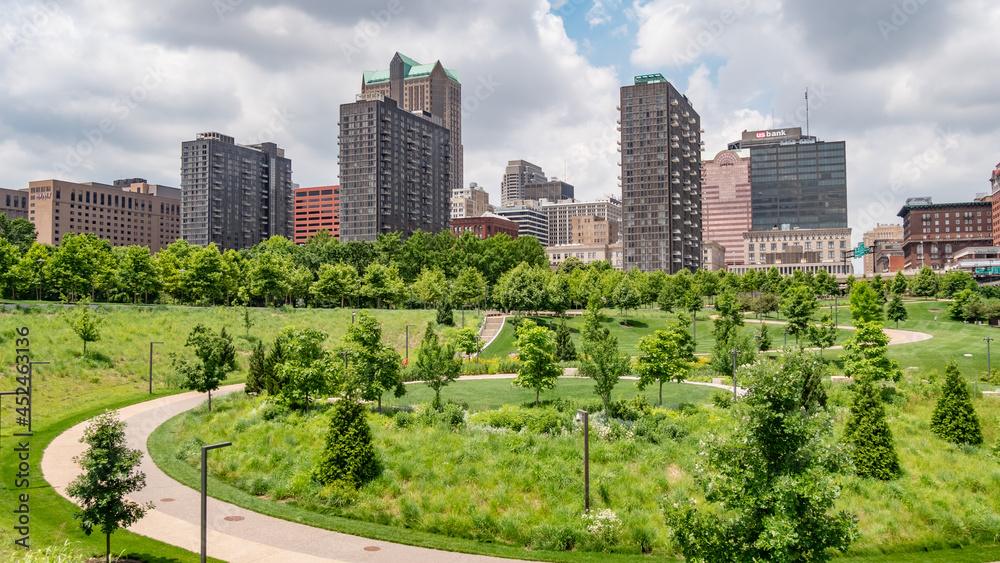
380	401
341	301
209	400
661	394
536	396
107	553
85	348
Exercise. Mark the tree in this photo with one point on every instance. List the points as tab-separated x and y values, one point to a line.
110	474
558	293
349	456
336	281
963	298
215	359
667	356
565	350
603	362
248	321
954	417
897	311
436	363
824	283
868	433
307	368
430	286
899	284
729	318
136	271
773	479
824	335
256	369
468	341
85	323
273	381
628	293
469	286
9	258
19	232
865	304
925	283
374	367
867	354
445	314
522	289
535	350
267	276
692	304
798	304
764	342
722	356
382	283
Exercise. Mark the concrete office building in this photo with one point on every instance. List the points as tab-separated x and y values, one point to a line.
591	229
472	201
429	89
791	250
516	176
559	216
234	195
552	190
316	209
128	213
934	232
725	202
888	256
797	182
395	170
661	177
713	256
14	203
530	218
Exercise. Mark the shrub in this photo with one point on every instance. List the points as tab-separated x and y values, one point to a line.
539	420
274	411
868	432
722	399
954	417
604	528
631	409
403	419
550	537
349	454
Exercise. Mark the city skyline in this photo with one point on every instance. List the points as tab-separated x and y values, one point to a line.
156	75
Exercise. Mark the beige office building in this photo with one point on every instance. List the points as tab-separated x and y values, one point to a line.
14	203
560	216
713	256
591	229
130	212
806	250
472	201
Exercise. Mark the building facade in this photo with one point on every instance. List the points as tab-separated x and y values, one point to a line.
591	229
661	177
725	202
995	198
516	176
934	232
472	201
552	190
316	209
137	214
797	182
887	240
485	226
560	215
234	195
427	88
806	250
713	256
530	218
395	170
14	203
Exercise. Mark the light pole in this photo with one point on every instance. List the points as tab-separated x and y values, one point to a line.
758	336
151	366
584	417
408	344
735	353
483	302
357	303
785	332
204	495
38	293
989	372
353	314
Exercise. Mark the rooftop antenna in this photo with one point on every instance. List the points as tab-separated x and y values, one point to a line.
807	111
772	118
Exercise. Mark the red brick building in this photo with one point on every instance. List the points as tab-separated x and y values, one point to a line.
486	226
995	192
933	233
316	209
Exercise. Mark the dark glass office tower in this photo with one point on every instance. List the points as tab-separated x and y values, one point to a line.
796	182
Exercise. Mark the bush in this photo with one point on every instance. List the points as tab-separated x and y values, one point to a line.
868	432
403	419
722	399
954	417
555	538
631	409
349	455
274	411
539	420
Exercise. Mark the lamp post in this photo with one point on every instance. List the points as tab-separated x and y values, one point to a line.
408	344
353	314
357	303
989	372
758	336
204	495
785	332
584	417
734	353
483	302
38	292
151	366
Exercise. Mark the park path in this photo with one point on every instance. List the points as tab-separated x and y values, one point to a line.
234	534
896	336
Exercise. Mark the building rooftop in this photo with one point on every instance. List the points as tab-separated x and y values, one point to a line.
411	69
928	205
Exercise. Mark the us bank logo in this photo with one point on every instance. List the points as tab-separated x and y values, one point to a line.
769	134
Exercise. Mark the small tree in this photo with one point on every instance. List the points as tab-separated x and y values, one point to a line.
216	357
692	304
374	367
603	362
868	432
798	304
306	369
897	311
468	341
436	363
445	315
85	323
565	350
867	354
954	417
272	378
256	370
110	473
764	342
667	356
348	455
535	349
899	284
824	335
247	321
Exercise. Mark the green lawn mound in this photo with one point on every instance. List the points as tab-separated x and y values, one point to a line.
511	476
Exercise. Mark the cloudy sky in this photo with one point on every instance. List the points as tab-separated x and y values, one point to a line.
94	90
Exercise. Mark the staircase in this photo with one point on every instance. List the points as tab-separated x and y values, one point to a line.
491	329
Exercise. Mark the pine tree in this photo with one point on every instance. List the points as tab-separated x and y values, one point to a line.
349	454
256	370
954	417
273	380
565	350
764	342
867	430
445	316
897	311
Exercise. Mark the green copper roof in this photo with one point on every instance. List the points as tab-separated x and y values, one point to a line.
650	79
411	69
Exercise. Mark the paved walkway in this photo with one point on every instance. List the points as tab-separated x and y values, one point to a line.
234	534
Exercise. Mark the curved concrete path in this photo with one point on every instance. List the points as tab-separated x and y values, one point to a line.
246	536
896	336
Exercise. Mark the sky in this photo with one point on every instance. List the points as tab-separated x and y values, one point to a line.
94	90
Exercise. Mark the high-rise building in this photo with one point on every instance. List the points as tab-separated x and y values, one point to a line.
530	218
995	201
560	214
472	201
128	213
934	232
317	209
395	170
234	195
552	190
725	202
518	174
428	88
14	203
661	177
887	240
797	182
